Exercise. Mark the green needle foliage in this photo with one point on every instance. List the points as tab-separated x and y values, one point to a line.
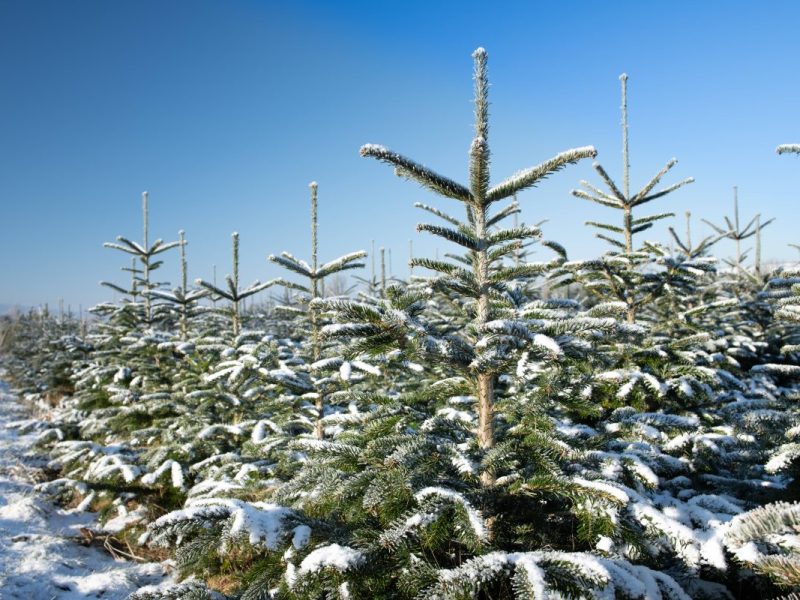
484	281
233	293
735	231
145	253
315	275
185	300
623	272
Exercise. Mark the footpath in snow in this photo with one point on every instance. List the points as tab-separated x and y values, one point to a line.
39	557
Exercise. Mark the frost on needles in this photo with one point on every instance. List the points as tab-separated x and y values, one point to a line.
506	423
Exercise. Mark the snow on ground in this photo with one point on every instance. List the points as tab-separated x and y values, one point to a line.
38	558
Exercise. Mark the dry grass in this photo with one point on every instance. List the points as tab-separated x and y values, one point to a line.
225	584
119	546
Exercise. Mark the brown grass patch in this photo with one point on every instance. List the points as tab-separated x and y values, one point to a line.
225	584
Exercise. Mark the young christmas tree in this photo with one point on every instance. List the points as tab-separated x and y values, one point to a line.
234	293
623	273
484	282
315	275
145	253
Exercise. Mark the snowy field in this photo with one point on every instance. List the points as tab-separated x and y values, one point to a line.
40	557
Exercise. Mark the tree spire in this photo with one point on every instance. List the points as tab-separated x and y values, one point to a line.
626	163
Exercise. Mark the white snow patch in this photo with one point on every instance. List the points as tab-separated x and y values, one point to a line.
38	555
335	556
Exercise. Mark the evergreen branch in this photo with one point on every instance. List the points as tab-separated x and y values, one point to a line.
504	250
193	295
343	262
439	213
516	233
555	247
610	200
256	287
746	232
435	265
606	226
339	269
610	183
511	209
518	272
463	259
653	182
716	228
214	289
733	230
116	288
529	177
232	287
158	247
457	284
788	149
678	240
175	297
287	261
349	310
422	175
586	196
611	241
763	522
133	245
347	330
666	190
123	248
728	302
292	285
458	237
651	218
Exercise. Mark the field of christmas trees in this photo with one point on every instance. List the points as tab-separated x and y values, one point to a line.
506	422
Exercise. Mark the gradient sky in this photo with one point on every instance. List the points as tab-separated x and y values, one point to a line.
224	111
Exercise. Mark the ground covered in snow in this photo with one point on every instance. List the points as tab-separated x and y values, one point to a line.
40	555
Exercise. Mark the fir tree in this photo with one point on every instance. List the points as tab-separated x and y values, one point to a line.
624	274
315	275
182	297
234	293
485	248
735	231
145	252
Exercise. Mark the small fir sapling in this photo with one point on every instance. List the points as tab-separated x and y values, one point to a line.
735	231
649	360
185	299
623	267
315	275
375	285
145	252
235	294
754	323
690	294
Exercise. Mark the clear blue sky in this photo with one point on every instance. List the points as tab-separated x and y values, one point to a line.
225	111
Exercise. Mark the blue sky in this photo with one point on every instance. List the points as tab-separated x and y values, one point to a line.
224	111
